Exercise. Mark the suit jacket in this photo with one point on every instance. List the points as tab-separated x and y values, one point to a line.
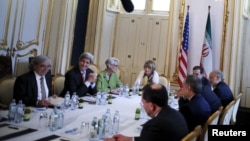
224	93
212	99
105	85
196	111
74	83
25	88
168	125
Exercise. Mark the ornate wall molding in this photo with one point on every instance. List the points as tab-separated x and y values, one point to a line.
224	32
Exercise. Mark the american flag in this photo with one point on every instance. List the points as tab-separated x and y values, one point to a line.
183	58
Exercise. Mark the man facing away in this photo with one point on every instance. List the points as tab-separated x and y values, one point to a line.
166	123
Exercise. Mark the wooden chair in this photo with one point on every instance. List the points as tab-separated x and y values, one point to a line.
58	83
235	108
212	120
163	80
6	90
226	114
193	135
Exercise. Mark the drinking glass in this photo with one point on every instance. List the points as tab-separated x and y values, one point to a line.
84	129
43	120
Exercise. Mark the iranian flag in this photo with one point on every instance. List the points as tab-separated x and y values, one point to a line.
206	54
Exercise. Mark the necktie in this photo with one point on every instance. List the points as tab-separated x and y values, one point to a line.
83	76
43	92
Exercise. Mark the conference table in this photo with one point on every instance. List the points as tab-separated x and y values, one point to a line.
31	130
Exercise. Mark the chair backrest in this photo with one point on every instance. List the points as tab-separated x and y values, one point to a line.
235	108
5	66
163	80
226	114
6	90
212	120
94	68
193	135
58	84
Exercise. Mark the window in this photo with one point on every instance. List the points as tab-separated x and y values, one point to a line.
151	6
160	5
139	4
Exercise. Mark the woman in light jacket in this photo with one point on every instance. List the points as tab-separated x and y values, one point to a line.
148	75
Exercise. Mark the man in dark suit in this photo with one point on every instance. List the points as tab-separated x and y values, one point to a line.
80	79
192	104
34	87
212	99
221	89
166	124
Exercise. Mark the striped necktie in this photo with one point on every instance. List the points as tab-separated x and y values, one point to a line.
43	92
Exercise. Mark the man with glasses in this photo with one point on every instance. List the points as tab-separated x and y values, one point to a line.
166	124
35	86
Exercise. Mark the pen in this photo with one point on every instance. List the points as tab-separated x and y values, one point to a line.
12	127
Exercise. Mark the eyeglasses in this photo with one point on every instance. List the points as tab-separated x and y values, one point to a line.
115	65
45	66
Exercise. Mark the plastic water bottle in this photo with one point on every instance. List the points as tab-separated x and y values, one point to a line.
12	110
107	123
116	122
19	112
121	91
60	119
93	130
67	99
126	90
74	101
53	120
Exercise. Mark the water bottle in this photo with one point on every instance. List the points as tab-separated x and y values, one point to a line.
107	123
116	122
67	99
19	112
126	90
137	87
134	89
60	119
53	120
93	130
121	91
100	131
12	110
74	101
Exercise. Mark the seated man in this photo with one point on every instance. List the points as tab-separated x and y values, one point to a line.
192	104
34	87
221	89
80	79
108	80
166	124
212	99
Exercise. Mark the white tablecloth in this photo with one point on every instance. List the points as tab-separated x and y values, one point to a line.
73	118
